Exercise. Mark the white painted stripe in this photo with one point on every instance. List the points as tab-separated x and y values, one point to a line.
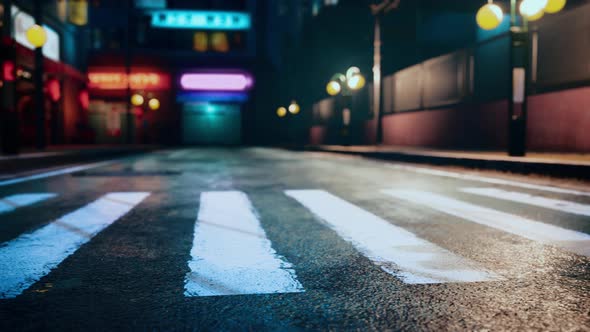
549	203
26	259
53	173
231	254
13	202
395	250
573	241
472	177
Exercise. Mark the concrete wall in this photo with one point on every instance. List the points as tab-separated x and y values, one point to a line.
557	121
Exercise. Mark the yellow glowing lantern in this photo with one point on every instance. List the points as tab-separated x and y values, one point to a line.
294	107
333	88
356	82
154	104
530	9
554	6
37	36
281	112
489	16
137	100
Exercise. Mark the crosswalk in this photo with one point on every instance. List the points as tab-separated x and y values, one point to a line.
232	254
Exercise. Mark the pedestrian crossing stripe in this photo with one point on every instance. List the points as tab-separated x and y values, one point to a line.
570	240
231	254
395	250
548	203
26	259
13	202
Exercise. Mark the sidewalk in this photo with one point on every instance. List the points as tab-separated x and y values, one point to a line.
55	156
569	165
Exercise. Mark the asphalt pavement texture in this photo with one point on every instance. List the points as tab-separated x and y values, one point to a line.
132	274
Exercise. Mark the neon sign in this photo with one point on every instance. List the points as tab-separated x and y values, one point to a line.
216	81
206	20
137	81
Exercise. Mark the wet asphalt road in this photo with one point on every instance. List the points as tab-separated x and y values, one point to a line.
132	274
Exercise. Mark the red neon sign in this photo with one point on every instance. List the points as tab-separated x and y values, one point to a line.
137	81
8	71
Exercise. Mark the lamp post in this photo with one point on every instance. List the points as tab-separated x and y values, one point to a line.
489	17
345	85
37	36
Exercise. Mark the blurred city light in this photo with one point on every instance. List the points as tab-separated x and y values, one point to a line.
333	88
154	104
216	81
137	100
37	36
489	16
356	82
281	112
554	6
531	9
294	108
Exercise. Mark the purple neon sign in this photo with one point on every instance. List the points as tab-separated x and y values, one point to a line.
216	81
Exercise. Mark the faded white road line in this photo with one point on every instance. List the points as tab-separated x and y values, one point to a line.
53	173
26	259
472	177
231	254
13	202
544	202
573	241
395	250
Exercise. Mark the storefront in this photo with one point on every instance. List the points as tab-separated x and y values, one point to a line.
151	119
63	86
212	105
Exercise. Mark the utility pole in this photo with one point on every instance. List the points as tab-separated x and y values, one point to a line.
378	11
39	98
517	105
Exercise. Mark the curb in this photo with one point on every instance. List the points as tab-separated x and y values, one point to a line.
562	170
15	165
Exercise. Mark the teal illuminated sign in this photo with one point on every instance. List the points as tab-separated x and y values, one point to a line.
206	20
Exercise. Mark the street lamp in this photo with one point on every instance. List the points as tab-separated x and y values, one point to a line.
489	17
345	85
154	104
37	36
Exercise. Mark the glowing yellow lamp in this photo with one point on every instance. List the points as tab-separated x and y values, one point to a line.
154	104
294	108
137	100
36	35
333	88
356	82
281	112
489	16
554	6
536	17
531	8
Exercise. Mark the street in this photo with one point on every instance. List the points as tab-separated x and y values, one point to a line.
268	239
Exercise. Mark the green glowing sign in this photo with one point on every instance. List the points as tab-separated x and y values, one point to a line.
206	20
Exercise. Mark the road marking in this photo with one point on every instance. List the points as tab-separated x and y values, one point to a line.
231	254
472	177
573	241
26	259
53	173
395	250
549	203
13	202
